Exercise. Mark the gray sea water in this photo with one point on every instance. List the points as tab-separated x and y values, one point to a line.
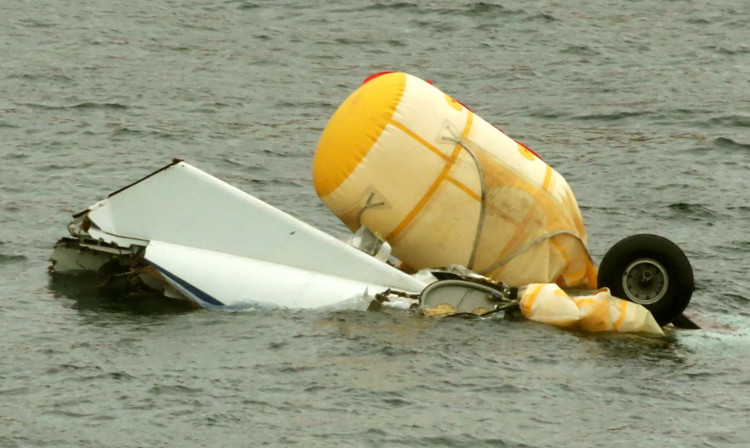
643	105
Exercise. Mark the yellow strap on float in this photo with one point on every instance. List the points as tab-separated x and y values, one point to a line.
443	176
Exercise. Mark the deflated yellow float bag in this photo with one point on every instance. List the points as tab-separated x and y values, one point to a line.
444	187
601	311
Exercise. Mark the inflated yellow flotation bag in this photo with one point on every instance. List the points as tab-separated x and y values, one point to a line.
595	312
444	187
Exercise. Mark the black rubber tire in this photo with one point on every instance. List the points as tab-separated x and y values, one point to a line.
650	270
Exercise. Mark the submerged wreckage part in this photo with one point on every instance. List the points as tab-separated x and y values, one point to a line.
480	199
180	213
465	296
73	255
546	303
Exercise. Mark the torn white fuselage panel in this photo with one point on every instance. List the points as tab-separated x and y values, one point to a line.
215	279
200	231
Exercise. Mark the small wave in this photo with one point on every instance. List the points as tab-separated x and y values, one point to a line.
53	77
614	116
174	389
125	131
544	17
293	367
81	106
681	114
740	208
733	247
735	303
691	211
11	258
485	10
35	23
248	5
698	21
90	105
548	114
397	6
723	50
742	121
580	50
728	143
233	162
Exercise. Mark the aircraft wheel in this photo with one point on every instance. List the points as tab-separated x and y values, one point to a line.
652	271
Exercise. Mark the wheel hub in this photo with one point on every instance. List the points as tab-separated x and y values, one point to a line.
645	281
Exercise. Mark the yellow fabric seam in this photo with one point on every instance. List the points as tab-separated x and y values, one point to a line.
623	310
527	304
463	188
416	137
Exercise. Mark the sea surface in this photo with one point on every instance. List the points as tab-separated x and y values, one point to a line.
643	105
